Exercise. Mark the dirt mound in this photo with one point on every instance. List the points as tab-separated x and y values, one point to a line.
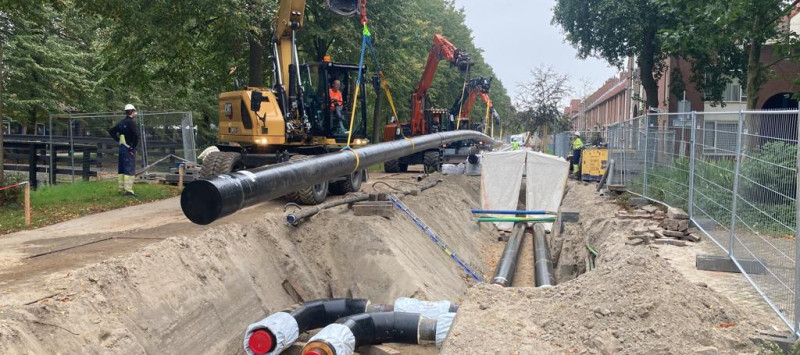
632	302
190	294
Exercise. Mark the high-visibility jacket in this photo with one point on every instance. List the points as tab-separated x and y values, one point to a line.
577	143
336	98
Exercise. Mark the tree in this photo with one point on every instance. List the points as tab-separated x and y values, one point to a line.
538	100
616	29
46	60
724	40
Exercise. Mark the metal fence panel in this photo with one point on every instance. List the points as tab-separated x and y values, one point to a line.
737	175
163	137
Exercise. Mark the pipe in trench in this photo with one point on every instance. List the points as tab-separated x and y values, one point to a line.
205	201
504	274
280	330
542	264
349	333
512	212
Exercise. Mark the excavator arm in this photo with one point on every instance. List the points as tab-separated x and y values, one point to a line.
441	49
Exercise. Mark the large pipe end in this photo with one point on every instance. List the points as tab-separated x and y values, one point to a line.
201	202
317	348
291	219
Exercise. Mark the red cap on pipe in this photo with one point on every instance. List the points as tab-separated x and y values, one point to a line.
260	342
314	352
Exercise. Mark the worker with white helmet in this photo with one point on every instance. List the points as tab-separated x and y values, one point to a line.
577	146
127	135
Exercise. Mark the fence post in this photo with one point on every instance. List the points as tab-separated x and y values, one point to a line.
732	236
28	204
72	149
797	238
32	166
52	157
646	144
692	158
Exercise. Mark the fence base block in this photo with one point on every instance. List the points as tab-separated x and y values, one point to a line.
724	264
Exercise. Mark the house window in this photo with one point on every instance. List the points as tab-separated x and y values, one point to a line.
733	92
719	137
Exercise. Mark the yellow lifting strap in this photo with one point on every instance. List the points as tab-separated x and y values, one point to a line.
461	105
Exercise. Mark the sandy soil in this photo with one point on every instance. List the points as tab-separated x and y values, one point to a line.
633	302
197	292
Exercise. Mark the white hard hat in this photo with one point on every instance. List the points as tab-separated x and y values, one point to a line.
577	133
129	107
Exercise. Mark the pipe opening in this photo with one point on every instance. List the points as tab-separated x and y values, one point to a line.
201	202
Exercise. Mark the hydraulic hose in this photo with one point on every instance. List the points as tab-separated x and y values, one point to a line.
504	274
205	201
349	333
543	265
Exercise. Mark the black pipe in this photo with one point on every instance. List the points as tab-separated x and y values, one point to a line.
543	265
319	313
504	274
379	328
310	315
205	201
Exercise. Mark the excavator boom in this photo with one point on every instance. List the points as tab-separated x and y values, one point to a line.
441	49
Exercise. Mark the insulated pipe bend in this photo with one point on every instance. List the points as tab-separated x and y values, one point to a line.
273	334
205	201
349	333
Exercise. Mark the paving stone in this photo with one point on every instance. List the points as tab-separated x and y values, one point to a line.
653	228
649	208
676	213
683	225
640	231
637	201
673	234
692	237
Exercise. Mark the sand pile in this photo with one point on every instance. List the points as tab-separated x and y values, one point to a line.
197	294
633	302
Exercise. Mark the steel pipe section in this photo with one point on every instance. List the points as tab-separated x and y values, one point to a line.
543	265
504	274
205	201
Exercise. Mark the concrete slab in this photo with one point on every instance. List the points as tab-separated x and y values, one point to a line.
724	264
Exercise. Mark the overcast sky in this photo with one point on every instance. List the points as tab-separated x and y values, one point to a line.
516	36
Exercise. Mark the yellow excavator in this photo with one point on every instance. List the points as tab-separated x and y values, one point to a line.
298	117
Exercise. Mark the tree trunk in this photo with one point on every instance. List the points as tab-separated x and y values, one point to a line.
646	67
755	71
256	69
321	47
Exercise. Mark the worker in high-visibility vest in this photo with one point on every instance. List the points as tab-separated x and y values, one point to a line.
126	134
515	145
577	147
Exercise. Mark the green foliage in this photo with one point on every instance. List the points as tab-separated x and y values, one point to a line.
97	55
616	29
48	59
59	203
766	188
722	39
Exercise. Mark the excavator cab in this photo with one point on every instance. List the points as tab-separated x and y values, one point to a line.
328	119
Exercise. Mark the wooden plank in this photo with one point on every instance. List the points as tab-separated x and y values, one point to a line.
294	291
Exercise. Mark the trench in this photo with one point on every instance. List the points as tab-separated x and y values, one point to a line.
199	293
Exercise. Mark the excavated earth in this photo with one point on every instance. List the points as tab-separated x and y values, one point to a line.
197	294
633	302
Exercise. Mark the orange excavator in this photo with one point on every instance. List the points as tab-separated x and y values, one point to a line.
442	49
477	87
